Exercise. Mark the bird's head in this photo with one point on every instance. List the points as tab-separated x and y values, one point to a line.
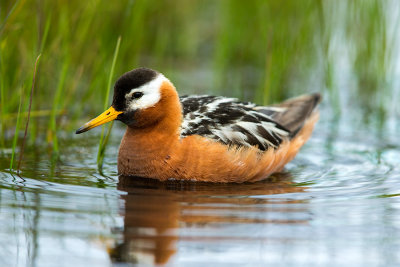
139	96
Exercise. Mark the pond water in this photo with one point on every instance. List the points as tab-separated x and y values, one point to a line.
337	203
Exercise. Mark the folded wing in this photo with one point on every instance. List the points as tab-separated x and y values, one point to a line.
230	122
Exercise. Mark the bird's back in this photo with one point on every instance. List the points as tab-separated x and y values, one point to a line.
244	124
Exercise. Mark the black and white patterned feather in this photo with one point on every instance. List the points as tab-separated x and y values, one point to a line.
232	122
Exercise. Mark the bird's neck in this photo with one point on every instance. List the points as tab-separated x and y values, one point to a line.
156	136
159	138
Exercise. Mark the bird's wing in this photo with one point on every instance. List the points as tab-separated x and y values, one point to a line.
231	122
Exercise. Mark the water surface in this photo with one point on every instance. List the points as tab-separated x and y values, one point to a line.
337	203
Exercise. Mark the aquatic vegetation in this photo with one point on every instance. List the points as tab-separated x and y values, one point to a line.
104	139
52	133
21	153
262	51
17	126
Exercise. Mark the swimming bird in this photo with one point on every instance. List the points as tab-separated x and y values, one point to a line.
201	137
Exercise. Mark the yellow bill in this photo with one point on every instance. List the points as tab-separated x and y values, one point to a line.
108	115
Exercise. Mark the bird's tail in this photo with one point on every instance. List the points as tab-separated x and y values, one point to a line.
293	113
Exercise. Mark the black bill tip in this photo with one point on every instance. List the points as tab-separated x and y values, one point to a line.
81	130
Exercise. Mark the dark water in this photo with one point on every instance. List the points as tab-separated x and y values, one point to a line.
336	204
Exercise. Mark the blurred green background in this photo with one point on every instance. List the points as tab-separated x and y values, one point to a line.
258	50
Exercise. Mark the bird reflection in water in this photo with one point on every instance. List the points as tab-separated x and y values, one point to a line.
154	211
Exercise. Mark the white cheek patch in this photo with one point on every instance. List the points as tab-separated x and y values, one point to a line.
151	94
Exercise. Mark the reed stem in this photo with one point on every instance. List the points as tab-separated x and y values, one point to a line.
104	139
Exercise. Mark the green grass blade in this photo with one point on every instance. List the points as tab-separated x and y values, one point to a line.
17	125
104	140
21	153
13	8
45	34
2	103
56	103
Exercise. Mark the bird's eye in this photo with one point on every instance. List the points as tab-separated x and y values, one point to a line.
137	95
